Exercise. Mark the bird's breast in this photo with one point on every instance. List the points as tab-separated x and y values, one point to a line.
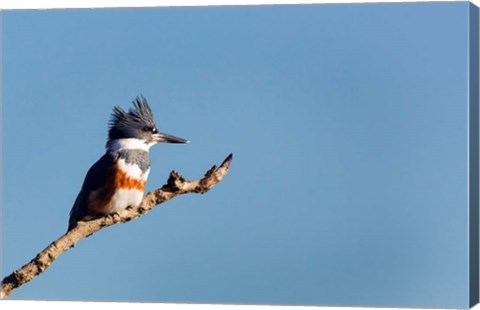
131	173
125	187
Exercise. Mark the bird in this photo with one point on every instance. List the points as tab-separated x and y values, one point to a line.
117	180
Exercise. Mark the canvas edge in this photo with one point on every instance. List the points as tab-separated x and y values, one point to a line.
473	153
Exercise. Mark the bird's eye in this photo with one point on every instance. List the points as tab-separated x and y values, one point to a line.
146	128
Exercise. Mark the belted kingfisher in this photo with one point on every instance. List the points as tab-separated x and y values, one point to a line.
117	180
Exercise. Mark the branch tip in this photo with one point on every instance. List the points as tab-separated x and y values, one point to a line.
227	161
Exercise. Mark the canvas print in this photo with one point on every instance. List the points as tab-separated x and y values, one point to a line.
320	154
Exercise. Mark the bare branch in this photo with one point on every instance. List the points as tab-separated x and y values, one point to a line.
176	185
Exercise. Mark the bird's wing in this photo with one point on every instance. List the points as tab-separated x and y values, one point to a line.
96	179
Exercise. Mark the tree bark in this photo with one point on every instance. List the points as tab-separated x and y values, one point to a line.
176	185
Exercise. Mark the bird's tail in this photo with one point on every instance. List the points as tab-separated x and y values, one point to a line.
76	213
72	222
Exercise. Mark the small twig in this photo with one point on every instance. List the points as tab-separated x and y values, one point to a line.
176	185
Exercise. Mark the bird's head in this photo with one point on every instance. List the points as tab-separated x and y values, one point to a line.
138	124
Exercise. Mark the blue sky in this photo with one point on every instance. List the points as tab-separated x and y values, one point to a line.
348	129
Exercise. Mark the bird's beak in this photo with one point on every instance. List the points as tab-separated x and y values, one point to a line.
160	137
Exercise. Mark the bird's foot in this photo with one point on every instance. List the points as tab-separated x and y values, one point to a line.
114	217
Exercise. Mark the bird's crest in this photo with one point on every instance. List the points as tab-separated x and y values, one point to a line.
139	117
